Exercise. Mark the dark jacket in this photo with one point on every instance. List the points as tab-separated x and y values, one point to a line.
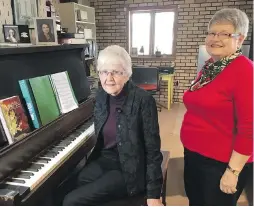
138	139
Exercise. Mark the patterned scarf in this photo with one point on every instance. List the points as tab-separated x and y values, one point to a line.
212	69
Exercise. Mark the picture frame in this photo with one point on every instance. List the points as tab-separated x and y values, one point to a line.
24	34
11	34
24	11
134	52
45	31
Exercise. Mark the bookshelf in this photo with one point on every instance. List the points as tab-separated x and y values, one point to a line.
77	18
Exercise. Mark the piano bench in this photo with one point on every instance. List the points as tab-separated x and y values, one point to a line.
140	199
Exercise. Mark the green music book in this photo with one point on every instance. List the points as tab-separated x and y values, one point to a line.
45	99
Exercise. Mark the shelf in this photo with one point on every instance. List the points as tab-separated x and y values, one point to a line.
36	48
80	5
72	20
82	22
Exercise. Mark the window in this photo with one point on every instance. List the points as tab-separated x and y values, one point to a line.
141	23
152	29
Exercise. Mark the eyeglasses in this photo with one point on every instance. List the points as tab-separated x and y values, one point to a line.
113	73
222	35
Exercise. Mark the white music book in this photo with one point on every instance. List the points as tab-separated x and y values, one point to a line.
64	93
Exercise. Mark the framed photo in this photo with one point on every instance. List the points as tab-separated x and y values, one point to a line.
134	52
45	31
11	33
24	11
24	34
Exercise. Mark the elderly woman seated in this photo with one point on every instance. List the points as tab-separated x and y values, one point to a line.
126	159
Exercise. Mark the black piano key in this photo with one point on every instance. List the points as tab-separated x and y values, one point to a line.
72	136
22	176
49	154
80	130
84	126
25	175
34	167
54	150
42	160
37	166
66	141
63	144
59	148
15	180
76	134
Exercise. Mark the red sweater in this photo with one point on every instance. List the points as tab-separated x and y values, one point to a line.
219	117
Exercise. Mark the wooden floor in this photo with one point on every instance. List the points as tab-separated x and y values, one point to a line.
170	123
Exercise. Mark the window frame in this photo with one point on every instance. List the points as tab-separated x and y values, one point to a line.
152	10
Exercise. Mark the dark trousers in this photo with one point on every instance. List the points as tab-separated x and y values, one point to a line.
99	182
202	177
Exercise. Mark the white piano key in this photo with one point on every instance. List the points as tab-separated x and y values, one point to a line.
55	162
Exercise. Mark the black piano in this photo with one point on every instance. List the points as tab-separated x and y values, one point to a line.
32	169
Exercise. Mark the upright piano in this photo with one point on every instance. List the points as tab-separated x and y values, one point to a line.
32	168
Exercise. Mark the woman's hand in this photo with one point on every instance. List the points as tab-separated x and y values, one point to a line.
154	202
228	182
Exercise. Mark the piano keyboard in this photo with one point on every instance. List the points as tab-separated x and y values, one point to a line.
48	161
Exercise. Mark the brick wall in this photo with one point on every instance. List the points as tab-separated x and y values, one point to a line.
193	17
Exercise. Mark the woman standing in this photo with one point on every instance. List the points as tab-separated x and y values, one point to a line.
217	129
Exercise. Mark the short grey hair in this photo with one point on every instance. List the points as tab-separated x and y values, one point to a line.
116	55
236	17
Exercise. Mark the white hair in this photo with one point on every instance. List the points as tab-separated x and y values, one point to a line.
234	16
115	54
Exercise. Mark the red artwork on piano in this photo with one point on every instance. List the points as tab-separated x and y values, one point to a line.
15	117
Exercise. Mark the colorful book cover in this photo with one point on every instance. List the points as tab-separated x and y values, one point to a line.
30	102
15	117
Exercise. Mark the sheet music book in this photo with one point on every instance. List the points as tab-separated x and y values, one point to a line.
64	92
